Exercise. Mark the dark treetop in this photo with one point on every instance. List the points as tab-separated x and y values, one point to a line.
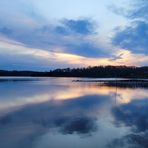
93	72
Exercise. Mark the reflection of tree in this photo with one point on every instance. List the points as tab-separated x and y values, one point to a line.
127	83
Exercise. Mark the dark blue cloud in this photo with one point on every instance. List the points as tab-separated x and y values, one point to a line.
83	27
6	31
61	30
70	36
71	27
86	48
134	37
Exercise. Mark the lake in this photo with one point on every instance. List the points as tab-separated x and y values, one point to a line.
63	113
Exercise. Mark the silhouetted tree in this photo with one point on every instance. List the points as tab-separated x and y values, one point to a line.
94	72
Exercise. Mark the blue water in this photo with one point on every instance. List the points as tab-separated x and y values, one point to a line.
60	113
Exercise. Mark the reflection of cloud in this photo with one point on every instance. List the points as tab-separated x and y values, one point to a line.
81	125
130	141
62	107
45	90
77	115
133	114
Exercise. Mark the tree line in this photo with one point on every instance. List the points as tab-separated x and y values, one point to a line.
93	72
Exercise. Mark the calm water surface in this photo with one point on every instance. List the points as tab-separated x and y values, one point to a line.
59	113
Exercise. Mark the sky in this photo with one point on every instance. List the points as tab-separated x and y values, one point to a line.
48	34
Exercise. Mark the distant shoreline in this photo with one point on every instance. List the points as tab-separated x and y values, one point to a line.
121	83
127	83
89	72
114	80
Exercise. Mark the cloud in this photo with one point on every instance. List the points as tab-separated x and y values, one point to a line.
136	9
86	49
139	10
117	57
80	38
70	36
15	55
133	37
82	26
19	14
70	27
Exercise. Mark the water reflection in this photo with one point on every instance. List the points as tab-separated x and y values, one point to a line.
131	141
56	112
134	115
